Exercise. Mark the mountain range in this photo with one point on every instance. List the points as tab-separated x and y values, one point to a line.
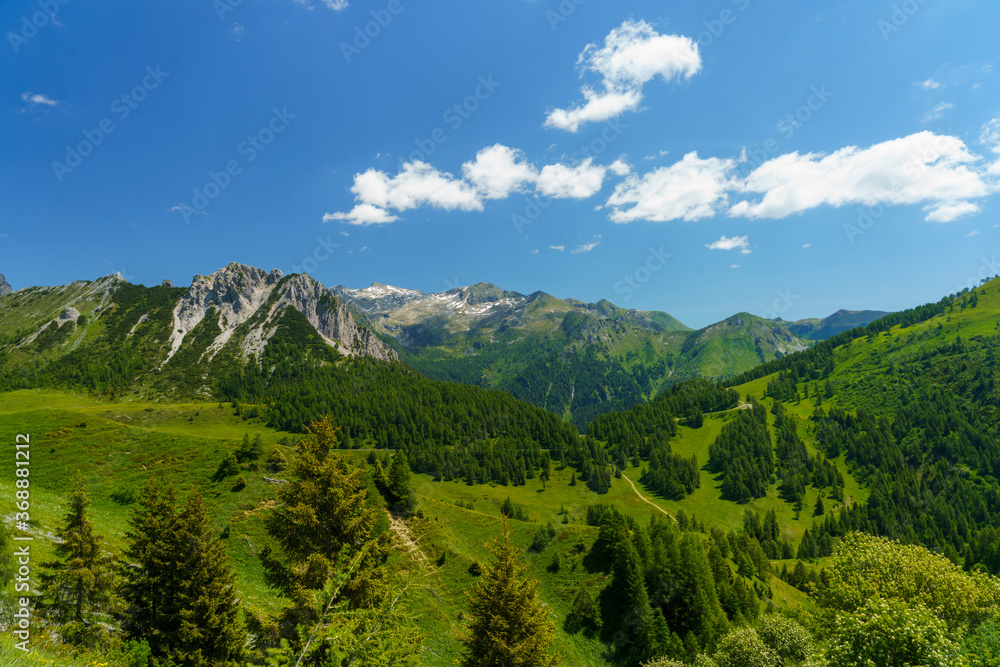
575	359
828	327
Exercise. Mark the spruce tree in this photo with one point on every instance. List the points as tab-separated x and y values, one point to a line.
210	632
401	494
149	581
178	584
625	604
78	588
509	626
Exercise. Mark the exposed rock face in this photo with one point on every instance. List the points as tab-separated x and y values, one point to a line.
69	314
5	287
167	283
240	294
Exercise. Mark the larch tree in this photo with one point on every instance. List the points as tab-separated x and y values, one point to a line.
331	563
510	627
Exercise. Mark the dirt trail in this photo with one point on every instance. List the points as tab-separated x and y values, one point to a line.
402	531
645	499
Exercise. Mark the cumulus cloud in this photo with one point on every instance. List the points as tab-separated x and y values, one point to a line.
938	172
499	171
418	184
924	168
563	181
587	247
929	84
741	243
632	55
690	189
496	172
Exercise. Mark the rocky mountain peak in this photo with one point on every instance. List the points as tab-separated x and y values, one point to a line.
5	287
481	293
239	293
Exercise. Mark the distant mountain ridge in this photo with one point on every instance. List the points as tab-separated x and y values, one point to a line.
828	327
576	359
5	287
573	358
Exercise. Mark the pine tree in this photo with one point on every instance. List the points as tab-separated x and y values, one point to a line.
820	510
509	626
78	588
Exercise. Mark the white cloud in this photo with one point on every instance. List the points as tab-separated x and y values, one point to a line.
335	5
362	214
690	189
807	245
418	184
735	266
741	243
557	248
587	247
238	30
925	168
929	84
38	99
632	55
620	168
971	234
499	171
565	182
937	112
989	136
535	251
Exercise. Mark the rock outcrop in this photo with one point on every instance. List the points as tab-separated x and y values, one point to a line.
5	287
240	294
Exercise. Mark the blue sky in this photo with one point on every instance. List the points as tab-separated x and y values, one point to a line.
697	158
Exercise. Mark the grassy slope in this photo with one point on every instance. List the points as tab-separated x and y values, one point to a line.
120	444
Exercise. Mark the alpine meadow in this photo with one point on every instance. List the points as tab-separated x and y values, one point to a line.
543	333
